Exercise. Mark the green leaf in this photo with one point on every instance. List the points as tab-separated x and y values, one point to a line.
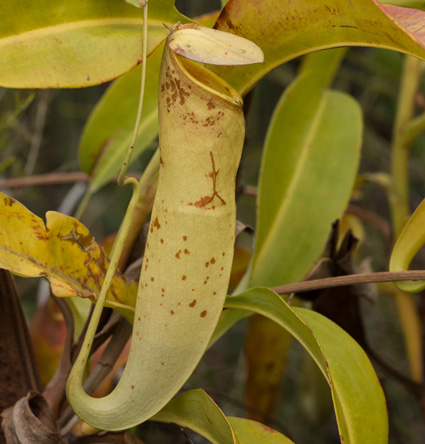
414	4
76	43
108	131
227	320
410	241
253	432
309	165
136	3
358	398
324	64
197	411
285	30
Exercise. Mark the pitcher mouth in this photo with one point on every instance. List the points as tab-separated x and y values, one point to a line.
208	80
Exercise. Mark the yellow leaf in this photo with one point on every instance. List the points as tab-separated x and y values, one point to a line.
63	251
188	256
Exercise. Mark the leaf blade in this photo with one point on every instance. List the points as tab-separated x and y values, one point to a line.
311	178
285	30
196	410
410	241
63	251
76	44
361	414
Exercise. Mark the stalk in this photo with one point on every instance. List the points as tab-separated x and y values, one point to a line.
399	205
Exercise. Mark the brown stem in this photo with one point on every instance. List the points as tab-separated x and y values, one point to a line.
44	179
351	279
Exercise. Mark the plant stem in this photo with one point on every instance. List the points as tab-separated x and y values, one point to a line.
351	279
127	160
399	200
400	149
148	186
415	127
81	362
44	179
83	204
40	123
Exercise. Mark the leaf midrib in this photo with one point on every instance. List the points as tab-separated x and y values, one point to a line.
75	25
287	196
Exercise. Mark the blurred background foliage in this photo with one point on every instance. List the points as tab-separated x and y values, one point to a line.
40	133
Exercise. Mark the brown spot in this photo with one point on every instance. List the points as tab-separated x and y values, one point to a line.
214	293
162	363
156	223
162	290
213	260
193	303
185	238
9	201
152	279
207	264
138	318
210	105
186	251
205	282
204	313
184	278
178	254
132	387
88	78
162	241
172	312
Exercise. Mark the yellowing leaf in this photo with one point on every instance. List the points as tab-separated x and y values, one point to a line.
76	43
63	251
188	257
285	30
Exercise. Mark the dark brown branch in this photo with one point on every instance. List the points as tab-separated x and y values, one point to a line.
351	279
